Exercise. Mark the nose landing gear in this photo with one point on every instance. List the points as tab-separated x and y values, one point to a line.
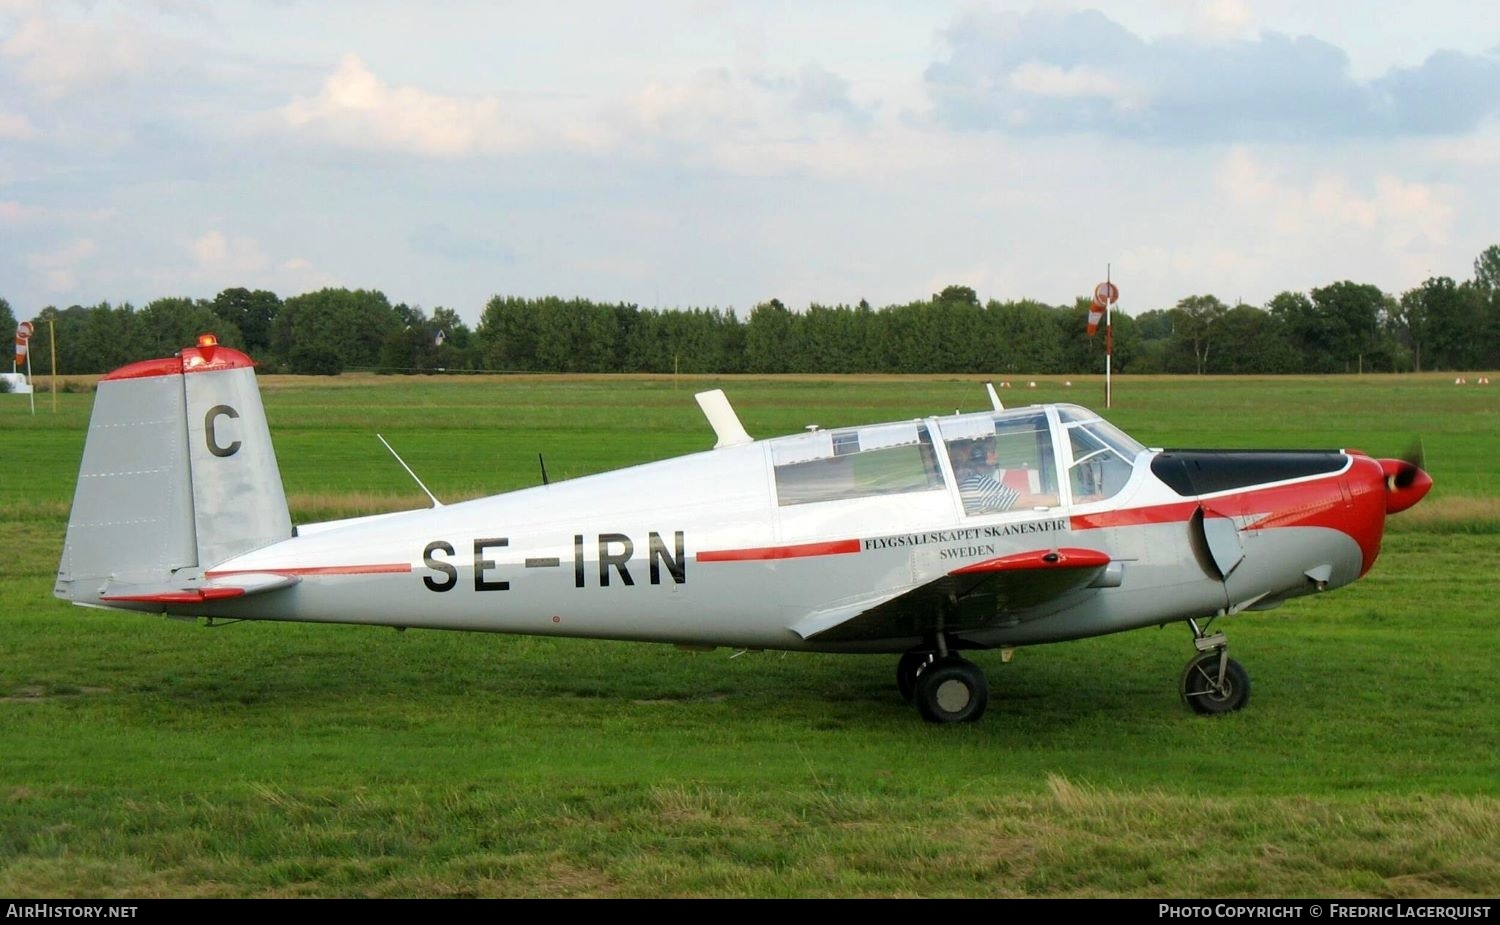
1213	683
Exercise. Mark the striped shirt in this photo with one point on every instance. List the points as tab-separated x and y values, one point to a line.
982	494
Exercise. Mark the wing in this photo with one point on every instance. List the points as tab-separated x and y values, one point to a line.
978	596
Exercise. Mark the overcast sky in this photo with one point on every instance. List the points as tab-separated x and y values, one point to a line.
720	153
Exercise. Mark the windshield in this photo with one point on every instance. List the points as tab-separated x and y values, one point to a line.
1103	455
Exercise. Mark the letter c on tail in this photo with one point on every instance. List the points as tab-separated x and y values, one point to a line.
213	415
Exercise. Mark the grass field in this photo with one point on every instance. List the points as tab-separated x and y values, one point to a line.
141	756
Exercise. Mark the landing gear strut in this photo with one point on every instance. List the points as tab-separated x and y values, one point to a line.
1212	682
944	687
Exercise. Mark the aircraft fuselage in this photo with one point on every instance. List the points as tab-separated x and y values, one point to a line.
606	556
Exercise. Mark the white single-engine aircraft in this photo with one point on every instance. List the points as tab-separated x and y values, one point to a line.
926	537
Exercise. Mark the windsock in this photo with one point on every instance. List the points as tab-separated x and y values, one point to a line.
23	337
1104	294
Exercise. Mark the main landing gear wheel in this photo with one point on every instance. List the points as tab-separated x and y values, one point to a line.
951	690
907	669
1212	684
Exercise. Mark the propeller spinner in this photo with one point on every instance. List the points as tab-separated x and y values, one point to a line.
1406	482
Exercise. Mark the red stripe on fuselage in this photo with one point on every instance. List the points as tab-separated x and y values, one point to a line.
1135	516
836	548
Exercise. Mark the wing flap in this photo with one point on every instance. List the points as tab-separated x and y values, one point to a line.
977	596
822	621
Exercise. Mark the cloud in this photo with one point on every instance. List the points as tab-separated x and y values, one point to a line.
215	260
1078	82
15	213
1397	215
710	99
58	268
356	108
1260	226
1480	150
15	126
1217	18
298	275
1449	93
442	241
754	122
12	212
216	253
817	91
1051	71
60	58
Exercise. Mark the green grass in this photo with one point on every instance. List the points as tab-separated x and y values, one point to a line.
148	757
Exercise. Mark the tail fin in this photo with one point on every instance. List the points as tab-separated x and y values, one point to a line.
178	475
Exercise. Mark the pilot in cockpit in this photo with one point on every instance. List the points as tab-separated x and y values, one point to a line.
978	483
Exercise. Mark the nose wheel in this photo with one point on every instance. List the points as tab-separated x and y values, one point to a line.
1213	683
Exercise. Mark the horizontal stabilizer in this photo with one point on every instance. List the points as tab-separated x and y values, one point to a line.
241	586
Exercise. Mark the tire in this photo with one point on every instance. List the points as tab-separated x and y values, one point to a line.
951	690
1200	686
907	669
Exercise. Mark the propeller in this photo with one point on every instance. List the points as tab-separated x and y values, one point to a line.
1406	481
1414	460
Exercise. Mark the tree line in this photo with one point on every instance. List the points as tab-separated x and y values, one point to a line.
1342	327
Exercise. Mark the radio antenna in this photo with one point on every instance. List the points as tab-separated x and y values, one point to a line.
435	501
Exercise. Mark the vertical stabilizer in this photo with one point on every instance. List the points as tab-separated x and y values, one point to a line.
721	417
178	474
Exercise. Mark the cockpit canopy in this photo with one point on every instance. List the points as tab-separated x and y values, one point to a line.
831	465
1031	458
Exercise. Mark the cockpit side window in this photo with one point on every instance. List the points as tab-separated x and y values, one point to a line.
1103	459
1003	462
859	463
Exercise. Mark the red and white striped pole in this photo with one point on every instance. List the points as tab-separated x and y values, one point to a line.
1109	344
1105	295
